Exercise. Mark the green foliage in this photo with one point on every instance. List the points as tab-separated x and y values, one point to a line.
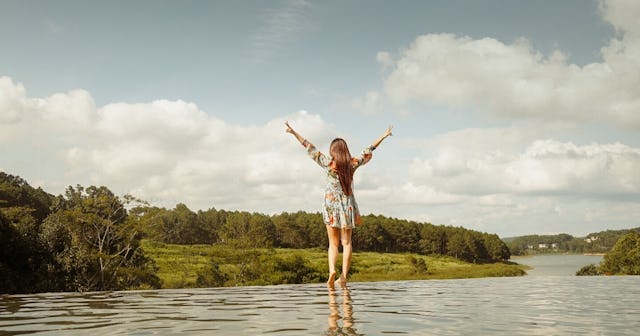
211	276
624	257
23	260
531	243
16	192
299	230
597	242
590	269
89	239
382	234
93	244
306	230
83	240
419	265
224	265
293	269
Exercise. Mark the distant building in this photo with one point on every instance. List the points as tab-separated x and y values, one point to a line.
591	239
543	246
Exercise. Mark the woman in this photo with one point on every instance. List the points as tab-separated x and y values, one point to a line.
340	211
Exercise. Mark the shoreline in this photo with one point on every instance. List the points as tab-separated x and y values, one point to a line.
555	254
182	266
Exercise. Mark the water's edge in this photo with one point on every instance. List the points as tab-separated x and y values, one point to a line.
498	306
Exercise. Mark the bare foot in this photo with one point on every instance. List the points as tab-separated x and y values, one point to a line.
332	279
342	281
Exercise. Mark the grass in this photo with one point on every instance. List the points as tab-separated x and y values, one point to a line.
179	265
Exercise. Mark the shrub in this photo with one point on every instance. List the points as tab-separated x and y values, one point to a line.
590	269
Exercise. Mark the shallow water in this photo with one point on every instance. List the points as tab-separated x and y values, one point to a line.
542	305
557	264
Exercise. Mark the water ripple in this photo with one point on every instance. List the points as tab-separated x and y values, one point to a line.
541	305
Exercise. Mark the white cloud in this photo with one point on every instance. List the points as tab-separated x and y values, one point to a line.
510	181
163	151
542	167
622	14
515	81
171	151
384	58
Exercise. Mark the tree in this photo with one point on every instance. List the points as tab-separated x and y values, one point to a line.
185	225
16	192
289	232
23	259
496	248
93	243
210	222
262	232
433	240
457	247
624	257
243	229
235	229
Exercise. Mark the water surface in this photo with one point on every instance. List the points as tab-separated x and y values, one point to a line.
542	305
557	264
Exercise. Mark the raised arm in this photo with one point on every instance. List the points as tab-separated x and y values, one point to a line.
295	134
315	154
386	134
367	152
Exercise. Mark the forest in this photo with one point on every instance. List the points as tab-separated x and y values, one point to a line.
90	239
595	242
622	259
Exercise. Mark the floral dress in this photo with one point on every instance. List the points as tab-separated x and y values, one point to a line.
338	209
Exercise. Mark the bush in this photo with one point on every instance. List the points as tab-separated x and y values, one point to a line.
294	270
419	265
590	269
211	276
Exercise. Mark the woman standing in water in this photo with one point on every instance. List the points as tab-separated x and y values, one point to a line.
339	210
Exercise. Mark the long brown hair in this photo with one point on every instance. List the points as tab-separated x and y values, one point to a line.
342	159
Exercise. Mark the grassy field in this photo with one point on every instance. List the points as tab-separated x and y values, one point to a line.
179	266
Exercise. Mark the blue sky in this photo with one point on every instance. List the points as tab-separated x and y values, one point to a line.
509	117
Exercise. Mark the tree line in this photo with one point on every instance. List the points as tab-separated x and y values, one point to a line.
596	242
304	230
80	241
89	238
622	259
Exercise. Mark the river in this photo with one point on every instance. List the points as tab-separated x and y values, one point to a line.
557	264
529	305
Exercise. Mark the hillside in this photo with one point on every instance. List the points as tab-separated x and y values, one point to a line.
596	242
90	239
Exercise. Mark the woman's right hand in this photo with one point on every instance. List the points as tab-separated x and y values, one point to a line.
289	129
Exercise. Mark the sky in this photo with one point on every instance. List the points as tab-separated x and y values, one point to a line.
509	117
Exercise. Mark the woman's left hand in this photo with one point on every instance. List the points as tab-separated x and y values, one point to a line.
388	132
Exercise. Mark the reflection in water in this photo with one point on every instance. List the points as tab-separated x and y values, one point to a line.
526	306
347	313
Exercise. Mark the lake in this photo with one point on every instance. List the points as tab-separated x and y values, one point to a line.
529	305
557	264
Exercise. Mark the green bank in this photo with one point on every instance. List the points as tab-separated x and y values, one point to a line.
183	266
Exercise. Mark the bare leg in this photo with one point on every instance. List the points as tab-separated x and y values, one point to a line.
334	239
347	249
